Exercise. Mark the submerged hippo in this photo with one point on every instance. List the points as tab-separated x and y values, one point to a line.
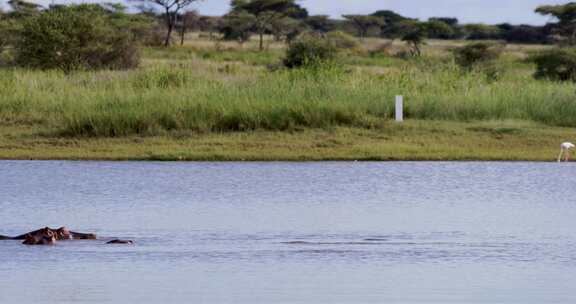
48	236
41	237
125	242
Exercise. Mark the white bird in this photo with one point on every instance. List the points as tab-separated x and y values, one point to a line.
565	150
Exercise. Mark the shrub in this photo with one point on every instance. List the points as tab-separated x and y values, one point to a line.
76	37
474	54
310	51
342	41
556	64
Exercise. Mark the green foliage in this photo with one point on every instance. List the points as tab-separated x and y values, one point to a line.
439	29
310	51
478	53
566	16
286	28
287	8
320	23
481	32
364	23
76	37
556	64
415	39
266	12
237	26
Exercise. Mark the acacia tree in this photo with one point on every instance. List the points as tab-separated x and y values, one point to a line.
188	21
266	11
171	10
364	23
415	40
236	26
320	23
566	16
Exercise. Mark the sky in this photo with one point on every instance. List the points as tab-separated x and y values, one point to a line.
467	11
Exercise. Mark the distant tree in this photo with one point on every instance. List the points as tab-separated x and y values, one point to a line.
399	29
565	28
524	33
415	40
188	21
208	24
286	28
471	55
237	26
310	51
482	32
393	24
364	23
266	11
390	17
172	9
450	21
438	29
320	23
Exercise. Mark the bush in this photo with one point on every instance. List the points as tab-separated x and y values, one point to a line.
310	51
342	41
555	64
472	55
76	37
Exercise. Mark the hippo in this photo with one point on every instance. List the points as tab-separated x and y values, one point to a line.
41	237
116	241
48	236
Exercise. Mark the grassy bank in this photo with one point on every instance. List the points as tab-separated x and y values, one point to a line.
413	140
208	101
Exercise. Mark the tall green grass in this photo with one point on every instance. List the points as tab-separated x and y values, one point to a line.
201	96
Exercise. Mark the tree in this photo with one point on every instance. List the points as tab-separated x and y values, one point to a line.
482	31
320	23
310	51
73	37
415	40
171	10
188	21
524	33
438	29
236	26
566	16
363	23
452	22
286	28
557	64
208	24
393	24
265	11
389	16
471	55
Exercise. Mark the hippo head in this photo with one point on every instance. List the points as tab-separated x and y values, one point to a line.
43	237
62	233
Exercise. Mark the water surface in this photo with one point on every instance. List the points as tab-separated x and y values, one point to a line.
409	232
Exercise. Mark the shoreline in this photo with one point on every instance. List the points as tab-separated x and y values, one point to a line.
413	140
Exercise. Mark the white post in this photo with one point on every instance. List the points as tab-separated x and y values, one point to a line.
399	108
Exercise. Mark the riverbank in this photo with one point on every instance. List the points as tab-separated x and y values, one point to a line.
412	140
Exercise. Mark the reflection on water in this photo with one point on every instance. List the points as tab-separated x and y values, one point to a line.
291	232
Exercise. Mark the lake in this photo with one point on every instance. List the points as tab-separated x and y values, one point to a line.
329	232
